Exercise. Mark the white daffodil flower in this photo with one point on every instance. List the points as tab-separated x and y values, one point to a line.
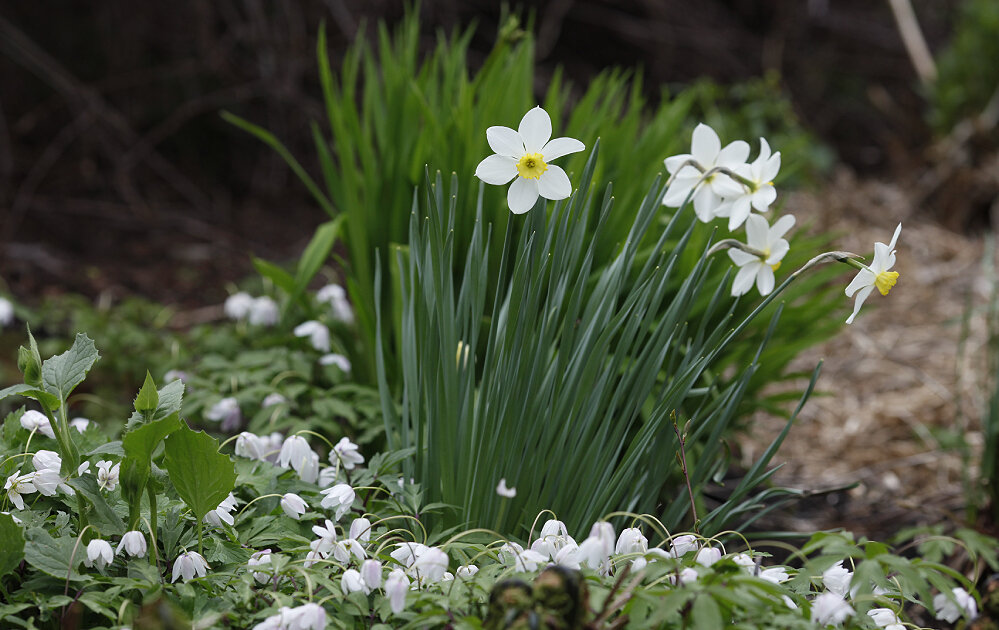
759	194
706	150
830	609
769	241
17	485
37	421
877	275
189	564
346	452
951	609
6	312
524	156
132	542
293	505
99	553
504	491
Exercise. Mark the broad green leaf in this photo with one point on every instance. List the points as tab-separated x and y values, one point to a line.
30	392
11	544
148	398
202	476
52	555
705	613
281	278
62	373
103	517
141	441
169	400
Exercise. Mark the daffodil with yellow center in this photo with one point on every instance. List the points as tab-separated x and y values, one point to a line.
525	156
768	247
878	275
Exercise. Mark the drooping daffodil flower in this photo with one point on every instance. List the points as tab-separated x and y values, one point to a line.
878	275
525	156
772	247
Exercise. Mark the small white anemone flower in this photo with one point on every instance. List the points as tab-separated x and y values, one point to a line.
317	333
706	556
360	530
466	570
107	475
524	156
371	573
352	582
338	360
37	421
397	587
189	564
251	446
17	485
830	609
707	151
885	618
756	196
554	537
777	575
274	398
263	312
431	565
837	579
680	545
295	451
406	553
80	424
222	514
504	491
227	412
767	239
260	559
309	469
338	498
336	297
631	540
237	306
346	452
951	609
877	275
99	553
6	312
133	542
521	559
688	575
293	505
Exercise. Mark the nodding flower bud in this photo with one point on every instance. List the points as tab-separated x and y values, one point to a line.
30	365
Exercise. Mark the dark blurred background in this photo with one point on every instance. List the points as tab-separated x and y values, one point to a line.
117	174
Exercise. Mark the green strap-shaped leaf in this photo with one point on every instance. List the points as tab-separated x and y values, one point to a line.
62	373
11	544
202	476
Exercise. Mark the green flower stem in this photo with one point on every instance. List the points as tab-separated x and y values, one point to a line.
152	511
201	545
70	456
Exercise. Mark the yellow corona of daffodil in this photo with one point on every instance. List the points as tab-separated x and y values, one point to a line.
878	275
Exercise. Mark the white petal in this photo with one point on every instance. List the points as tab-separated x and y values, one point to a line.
744	279
741	258
558	147
764	151
884	258
864	278
765	280
860	302
741	210
763	197
675	162
705	203
522	195
705	145
725	186
536	129
496	170
781	226
894	237
505	141
757	230
771	168
554	184
733	154
777	252
677	192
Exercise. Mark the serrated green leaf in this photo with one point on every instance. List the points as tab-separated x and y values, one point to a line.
111	448
11	544
202	476
14	390
52	555
30	392
63	372
148	398
142	441
170	398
